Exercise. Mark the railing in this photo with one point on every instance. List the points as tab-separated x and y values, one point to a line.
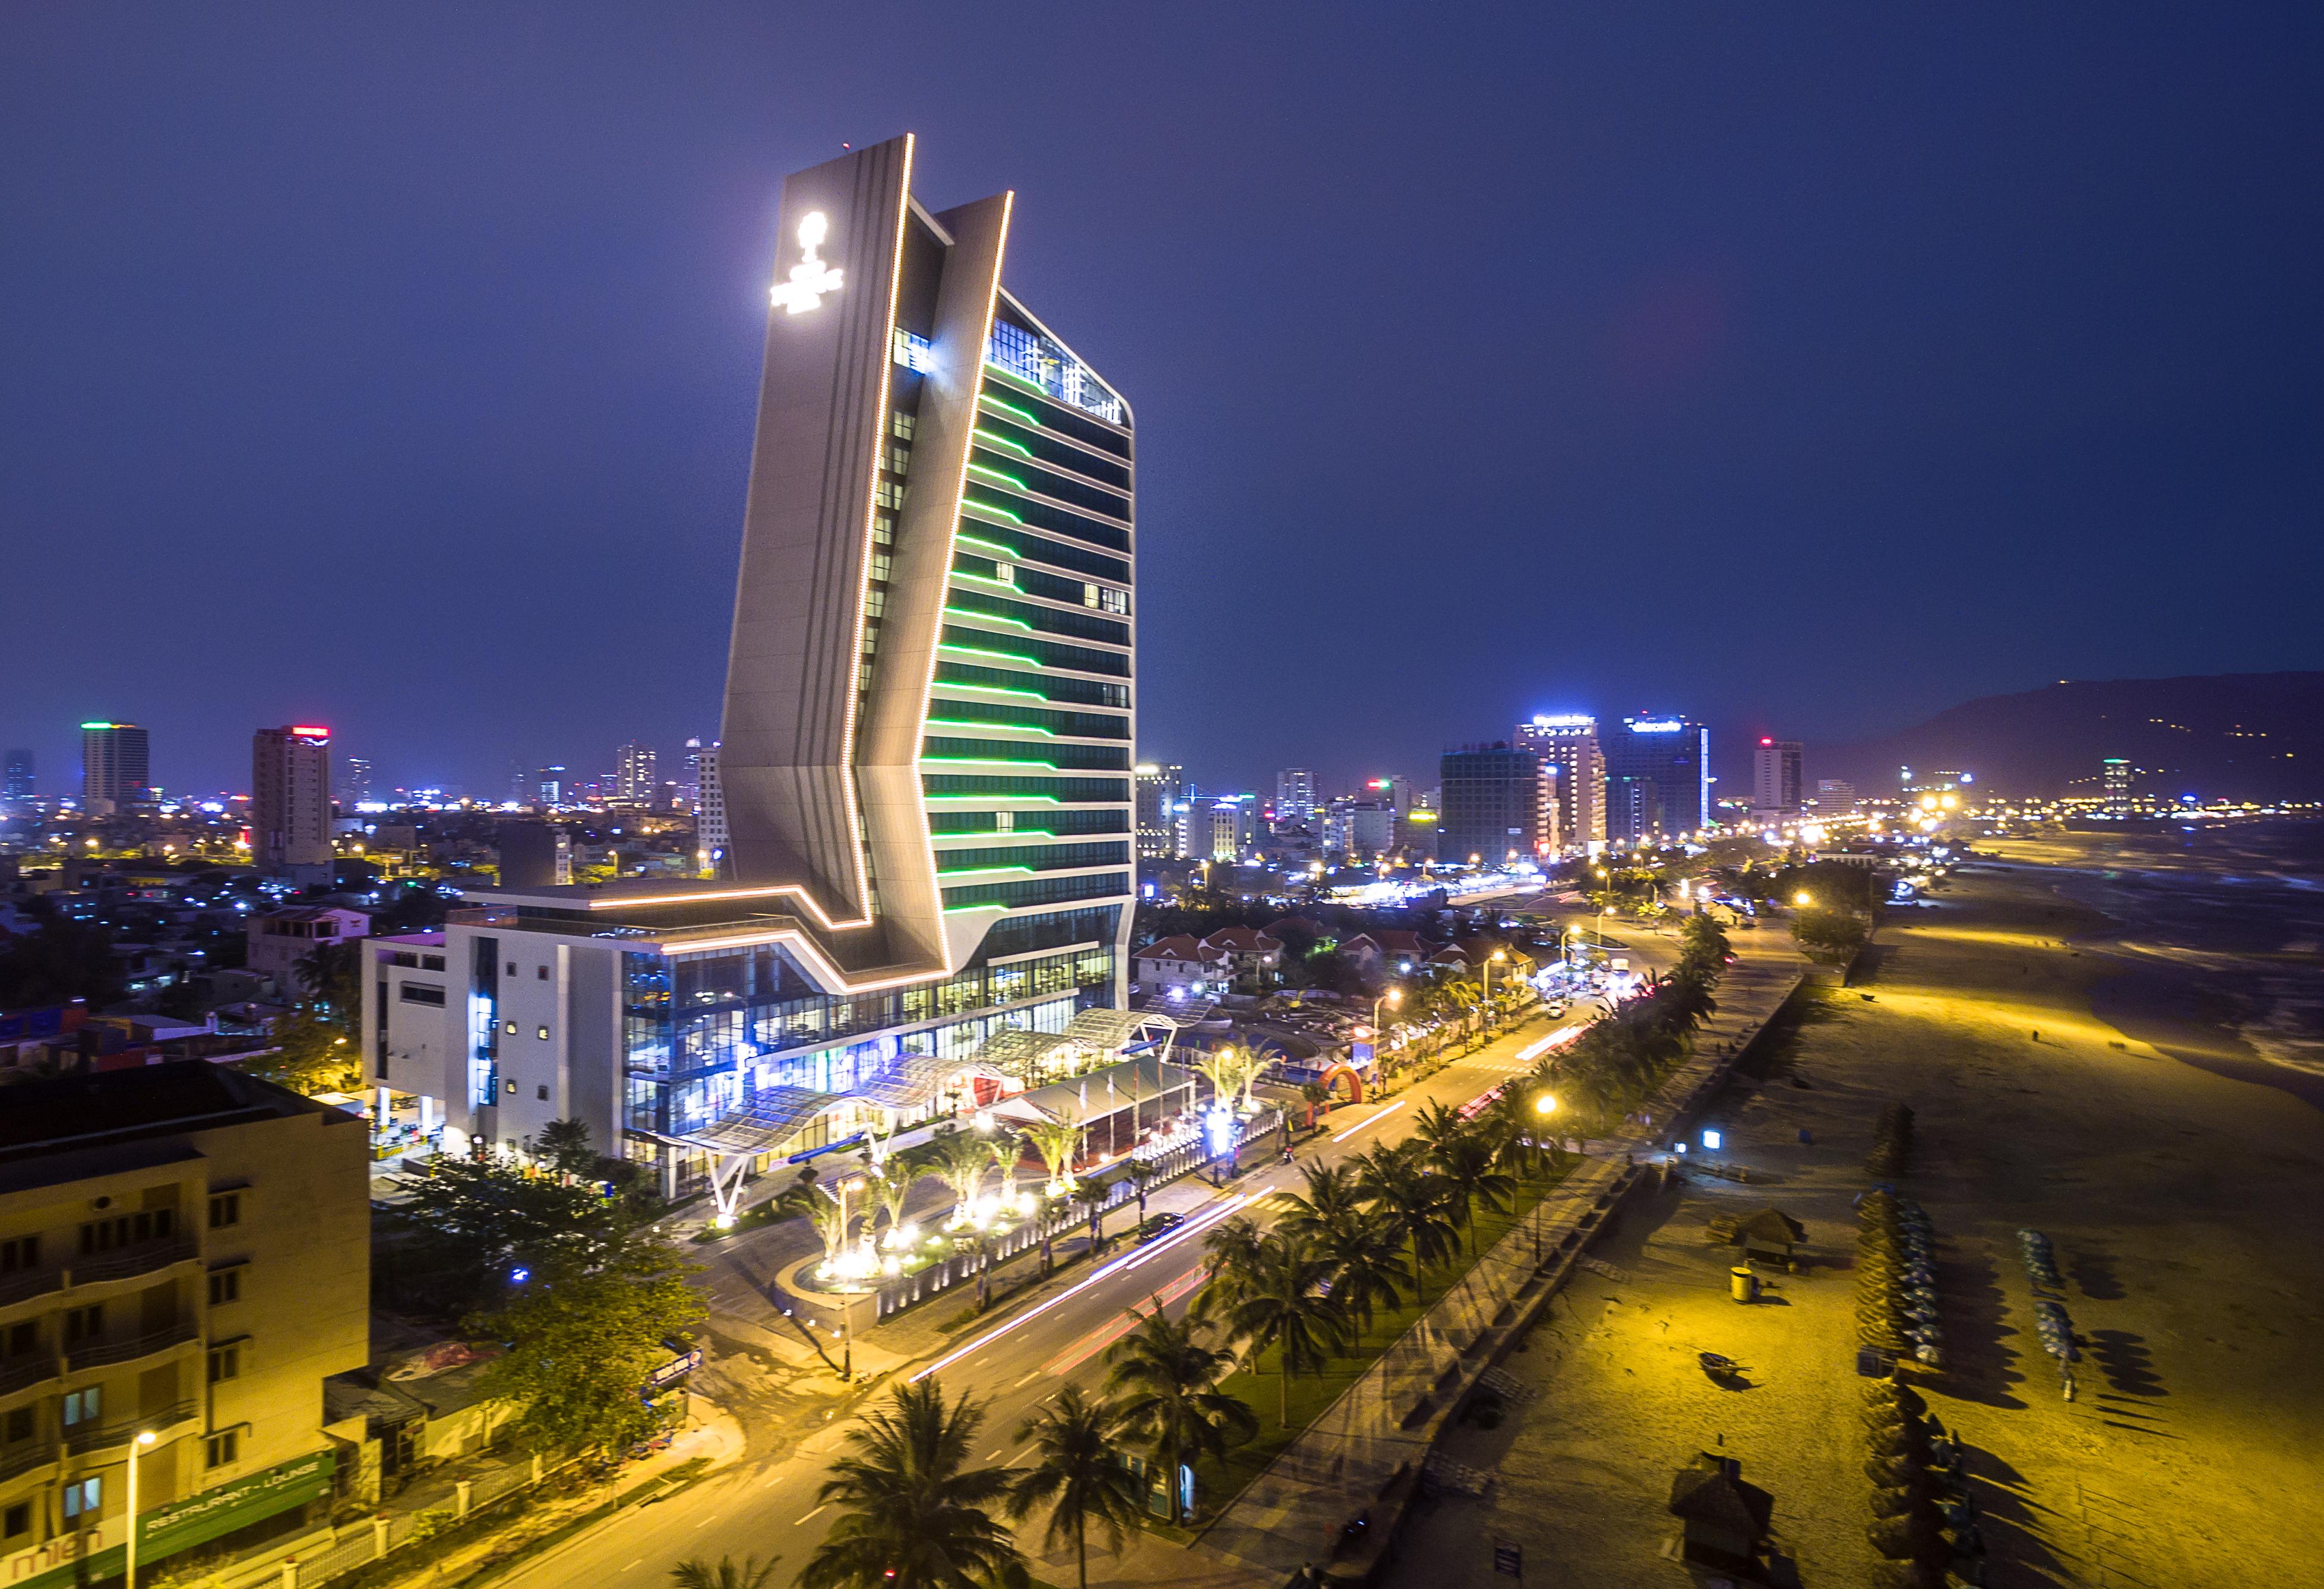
109	1351
22	1288
16	1464
81	1442
15	1376
133	1261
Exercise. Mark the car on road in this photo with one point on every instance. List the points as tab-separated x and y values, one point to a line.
1557	1007
1158	1226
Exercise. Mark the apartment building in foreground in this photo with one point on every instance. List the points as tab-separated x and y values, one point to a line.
184	1255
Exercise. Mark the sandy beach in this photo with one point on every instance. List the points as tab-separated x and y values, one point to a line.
2175	1169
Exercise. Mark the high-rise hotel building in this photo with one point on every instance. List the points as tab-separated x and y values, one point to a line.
925	759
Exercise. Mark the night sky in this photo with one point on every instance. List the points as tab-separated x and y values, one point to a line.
1806	369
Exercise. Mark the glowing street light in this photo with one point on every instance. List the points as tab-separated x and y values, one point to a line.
1544	1105
1803	898
136	1448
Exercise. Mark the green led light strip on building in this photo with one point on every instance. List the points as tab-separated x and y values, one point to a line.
1005	585
1007	480
994	439
1045	799
984	871
989	508
989	618
1026	415
988	689
1004	656
1009	551
990	761
1020	727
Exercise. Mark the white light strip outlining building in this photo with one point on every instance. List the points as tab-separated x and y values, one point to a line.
925	758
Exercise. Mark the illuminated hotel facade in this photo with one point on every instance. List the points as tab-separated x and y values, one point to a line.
925	763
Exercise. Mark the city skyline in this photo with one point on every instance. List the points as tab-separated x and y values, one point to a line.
1751	344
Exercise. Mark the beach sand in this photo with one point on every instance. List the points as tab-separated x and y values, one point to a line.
2184	1201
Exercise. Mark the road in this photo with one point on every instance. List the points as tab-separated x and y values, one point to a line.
766	1505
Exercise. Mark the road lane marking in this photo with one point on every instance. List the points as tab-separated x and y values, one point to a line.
627	1564
1027	1380
811	1516
1115	1329
1117	1266
1373	1120
705	1522
996	1451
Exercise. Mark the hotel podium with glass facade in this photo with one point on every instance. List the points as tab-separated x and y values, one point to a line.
925	760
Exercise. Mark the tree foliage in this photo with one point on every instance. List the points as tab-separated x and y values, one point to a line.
912	1513
581	1341
1078	1473
471	1224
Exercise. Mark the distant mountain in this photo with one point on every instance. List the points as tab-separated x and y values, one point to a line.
2236	735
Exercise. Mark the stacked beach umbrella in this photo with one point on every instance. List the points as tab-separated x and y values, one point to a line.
1924	1518
2050	1318
1895	1278
1892	1140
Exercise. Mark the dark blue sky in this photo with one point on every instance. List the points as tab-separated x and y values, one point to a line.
1808	368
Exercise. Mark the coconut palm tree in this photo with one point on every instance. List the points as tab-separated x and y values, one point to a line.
912	1513
1232	1249
1333	1198
1167	1377
1466	1161
1078	1473
1284	1304
696	1572
1415	1202
1368	1267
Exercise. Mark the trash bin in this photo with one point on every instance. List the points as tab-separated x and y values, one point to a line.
1742	1284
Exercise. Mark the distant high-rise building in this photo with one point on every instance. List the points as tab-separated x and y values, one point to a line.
1569	743
1373	829
1223	831
1657	777
689	788
2115	773
353	788
1775	786
1496	806
1159	787
710	837
551	787
19	783
291	801
1294	795
632	782
113	766
1835	796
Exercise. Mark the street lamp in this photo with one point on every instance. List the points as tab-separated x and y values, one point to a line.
1544	1105
144	1438
1804	899
1498	954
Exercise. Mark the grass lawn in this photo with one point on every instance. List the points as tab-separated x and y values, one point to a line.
1260	1385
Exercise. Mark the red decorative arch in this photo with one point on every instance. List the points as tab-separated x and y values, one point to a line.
1343	1073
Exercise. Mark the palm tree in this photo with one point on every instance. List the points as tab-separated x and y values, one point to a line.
1333	1198
1226	1070
698	1572
1232	1249
1168	1380
1466	1161
889	1180
1367	1268
1057	1142
1284	1304
961	1160
825	1211
1415	1201
1078	1473
913	1514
